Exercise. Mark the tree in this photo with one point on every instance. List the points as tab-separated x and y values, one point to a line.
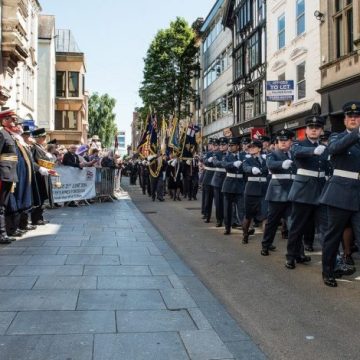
169	67
102	118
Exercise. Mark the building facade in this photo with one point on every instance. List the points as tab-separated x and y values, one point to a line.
121	139
19	57
46	72
216	95
340	61
247	21
293	35
71	104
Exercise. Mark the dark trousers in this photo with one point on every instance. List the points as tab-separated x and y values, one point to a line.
146	186
276	212
209	196
5	188
232	201
219	204
301	216
337	221
37	214
194	186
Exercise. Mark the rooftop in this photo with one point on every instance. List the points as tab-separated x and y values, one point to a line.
65	42
46	26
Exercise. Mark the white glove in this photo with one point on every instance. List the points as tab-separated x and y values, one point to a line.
43	171
263	156
286	164
210	159
150	157
256	171
319	149
188	162
237	163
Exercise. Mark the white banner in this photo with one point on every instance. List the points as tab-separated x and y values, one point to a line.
76	184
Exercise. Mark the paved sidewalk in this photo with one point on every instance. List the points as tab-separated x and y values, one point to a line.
100	282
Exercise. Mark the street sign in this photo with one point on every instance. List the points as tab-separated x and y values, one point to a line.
280	90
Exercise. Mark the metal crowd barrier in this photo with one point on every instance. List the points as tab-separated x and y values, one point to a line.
105	184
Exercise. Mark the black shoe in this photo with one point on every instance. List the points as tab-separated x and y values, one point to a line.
303	259
309	248
227	232
189	198
235	226
194	197
153	199
290	264
265	252
72	204
272	248
17	233
245	239
218	224
207	221
29	227
161	200
6	240
348	260
179	198
344	270
251	231
203	217
354	248
329	280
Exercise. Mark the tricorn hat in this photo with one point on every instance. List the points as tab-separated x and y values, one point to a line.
39	133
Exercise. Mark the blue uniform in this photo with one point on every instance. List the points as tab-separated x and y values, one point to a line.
208	190
341	195
233	188
305	193
277	194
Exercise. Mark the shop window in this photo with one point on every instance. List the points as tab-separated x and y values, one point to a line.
344	27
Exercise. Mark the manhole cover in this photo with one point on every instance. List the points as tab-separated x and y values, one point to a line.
193	208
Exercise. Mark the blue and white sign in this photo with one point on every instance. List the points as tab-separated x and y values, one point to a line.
280	90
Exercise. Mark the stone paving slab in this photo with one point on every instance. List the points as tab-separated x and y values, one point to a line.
22	300
151	346
30	270
204	345
46	347
81	250
153	321
6	269
62	322
41	250
92	260
142	260
5	320
65	282
14	259
17	283
120	300
59	243
47	260
177	299
130	282
122	270
11	250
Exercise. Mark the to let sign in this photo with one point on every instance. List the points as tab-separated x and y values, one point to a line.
280	90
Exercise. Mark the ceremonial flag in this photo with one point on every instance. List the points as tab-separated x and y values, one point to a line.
189	145
148	143
174	140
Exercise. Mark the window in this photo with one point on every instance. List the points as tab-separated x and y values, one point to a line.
254	51
344	27
83	84
73	84
65	120
281	77
239	63
261	10
301	82
300	17
281	31
60	84
244	15
215	30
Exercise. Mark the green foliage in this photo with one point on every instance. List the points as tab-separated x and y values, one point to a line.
102	119
169	67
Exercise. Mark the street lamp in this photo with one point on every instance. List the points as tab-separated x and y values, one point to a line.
319	16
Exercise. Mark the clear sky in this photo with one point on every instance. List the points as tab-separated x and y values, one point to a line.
115	35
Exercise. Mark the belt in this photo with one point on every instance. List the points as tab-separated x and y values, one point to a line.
305	172
237	176
8	157
259	179
282	176
220	169
209	168
347	174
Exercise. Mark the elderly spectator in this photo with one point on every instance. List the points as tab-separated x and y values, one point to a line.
108	160
71	158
